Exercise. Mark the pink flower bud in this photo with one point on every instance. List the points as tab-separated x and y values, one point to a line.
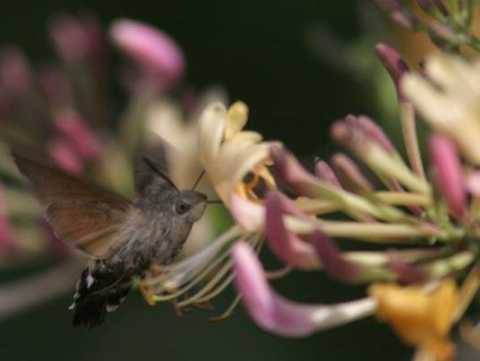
448	173
292	172
284	244
405	272
356	131
151	49
324	172
70	39
331	258
15	72
395	65
54	85
350	174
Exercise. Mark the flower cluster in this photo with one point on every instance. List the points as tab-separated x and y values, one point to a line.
449	24
423	287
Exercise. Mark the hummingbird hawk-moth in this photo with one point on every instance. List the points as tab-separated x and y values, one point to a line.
122	237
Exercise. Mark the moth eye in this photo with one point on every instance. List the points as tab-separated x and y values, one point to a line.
182	208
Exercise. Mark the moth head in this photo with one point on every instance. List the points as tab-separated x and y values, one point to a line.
190	204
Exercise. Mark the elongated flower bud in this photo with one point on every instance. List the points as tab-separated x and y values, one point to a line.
448	173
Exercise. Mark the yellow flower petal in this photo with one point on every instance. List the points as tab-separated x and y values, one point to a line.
212	126
420	318
236	119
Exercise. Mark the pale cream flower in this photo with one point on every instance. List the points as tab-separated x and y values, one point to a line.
449	97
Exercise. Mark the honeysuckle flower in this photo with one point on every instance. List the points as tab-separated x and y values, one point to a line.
276	314
301	231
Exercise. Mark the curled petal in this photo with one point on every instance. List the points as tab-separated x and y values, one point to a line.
393	62
448	173
283	243
212	126
236	118
150	48
280	316
331	258
247	214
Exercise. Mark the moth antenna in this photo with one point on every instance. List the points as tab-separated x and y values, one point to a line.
152	166
199	178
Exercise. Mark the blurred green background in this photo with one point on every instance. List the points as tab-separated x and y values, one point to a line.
262	53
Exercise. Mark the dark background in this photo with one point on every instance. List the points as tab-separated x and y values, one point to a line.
258	51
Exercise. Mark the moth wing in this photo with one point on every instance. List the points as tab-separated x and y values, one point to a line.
80	213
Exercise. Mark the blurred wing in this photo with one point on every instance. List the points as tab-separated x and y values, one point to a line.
81	214
156	151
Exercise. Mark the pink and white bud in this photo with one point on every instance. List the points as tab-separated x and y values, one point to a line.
15	72
394	64
350	174
331	258
284	244
356	131
406	272
65	156
448	173
81	137
152	50
324	172
280	316
292	172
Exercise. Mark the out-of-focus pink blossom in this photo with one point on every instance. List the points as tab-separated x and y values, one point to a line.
7	243
70	39
280	316
153	50
448	173
54	85
15	72
65	156
77	131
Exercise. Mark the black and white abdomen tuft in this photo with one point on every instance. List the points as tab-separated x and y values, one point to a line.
100	289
